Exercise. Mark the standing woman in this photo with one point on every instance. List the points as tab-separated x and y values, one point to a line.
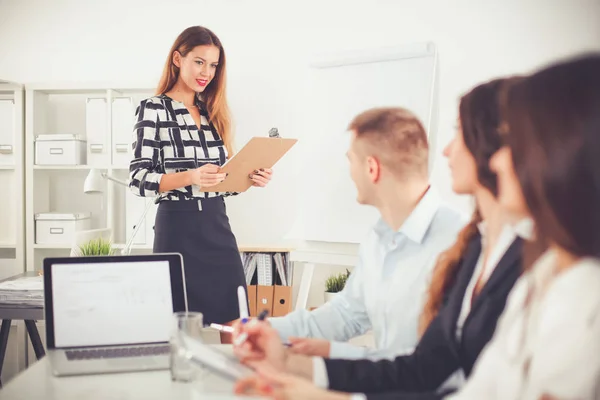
180	140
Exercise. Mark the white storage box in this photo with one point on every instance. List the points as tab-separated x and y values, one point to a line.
59	228
63	149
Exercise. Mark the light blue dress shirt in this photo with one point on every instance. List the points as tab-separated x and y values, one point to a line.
386	290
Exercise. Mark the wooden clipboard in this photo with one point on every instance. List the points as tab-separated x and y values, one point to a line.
259	152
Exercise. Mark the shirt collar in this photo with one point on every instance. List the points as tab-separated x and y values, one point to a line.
545	268
416	225
522	228
481	228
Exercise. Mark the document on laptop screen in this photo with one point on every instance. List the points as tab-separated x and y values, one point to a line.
111	303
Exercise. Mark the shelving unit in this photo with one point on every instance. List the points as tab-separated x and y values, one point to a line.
102	115
274	296
12	233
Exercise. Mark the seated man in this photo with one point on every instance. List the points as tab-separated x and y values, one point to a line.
388	159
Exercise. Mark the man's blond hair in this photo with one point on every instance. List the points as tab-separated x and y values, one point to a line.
396	137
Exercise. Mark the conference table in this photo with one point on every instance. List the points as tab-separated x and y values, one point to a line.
37	383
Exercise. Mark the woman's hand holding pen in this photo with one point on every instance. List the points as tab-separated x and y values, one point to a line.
207	175
262	345
261	177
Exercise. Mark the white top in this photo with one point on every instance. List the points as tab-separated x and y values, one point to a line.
509	233
547	340
385	291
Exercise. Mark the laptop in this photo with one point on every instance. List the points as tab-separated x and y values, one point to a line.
108	314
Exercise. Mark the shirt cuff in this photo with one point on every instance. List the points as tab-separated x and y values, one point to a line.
346	351
358	396
283	326
320	377
152	183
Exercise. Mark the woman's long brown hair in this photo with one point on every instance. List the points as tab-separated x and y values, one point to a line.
214	94
479	117
553	131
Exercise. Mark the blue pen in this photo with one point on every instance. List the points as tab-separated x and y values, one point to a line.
244	336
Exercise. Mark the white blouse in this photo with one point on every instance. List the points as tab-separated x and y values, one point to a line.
547	341
509	233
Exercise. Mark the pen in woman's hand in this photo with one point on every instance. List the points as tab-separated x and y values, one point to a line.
263	314
244	336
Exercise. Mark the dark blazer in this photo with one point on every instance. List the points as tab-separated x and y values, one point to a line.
438	354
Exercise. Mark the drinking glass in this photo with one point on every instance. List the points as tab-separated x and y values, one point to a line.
190	323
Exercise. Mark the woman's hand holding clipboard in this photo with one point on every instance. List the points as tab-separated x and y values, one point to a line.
251	166
261	177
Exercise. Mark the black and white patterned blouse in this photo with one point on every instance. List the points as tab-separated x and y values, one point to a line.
166	139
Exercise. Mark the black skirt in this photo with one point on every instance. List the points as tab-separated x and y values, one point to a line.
211	259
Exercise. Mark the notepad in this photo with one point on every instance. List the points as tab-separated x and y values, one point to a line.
217	361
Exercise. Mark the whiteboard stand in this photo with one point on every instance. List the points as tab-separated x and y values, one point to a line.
304	288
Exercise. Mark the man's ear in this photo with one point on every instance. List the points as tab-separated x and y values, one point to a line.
177	59
374	168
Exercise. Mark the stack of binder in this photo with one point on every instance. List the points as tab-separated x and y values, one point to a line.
269	281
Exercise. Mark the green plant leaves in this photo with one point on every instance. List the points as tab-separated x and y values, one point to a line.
96	247
335	283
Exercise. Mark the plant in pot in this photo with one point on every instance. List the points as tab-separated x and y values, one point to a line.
334	284
96	247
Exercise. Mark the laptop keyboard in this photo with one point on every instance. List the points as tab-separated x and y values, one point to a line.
117	352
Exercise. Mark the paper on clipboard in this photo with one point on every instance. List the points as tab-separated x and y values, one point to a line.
213	359
259	152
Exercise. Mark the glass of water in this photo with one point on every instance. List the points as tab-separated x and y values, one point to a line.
190	323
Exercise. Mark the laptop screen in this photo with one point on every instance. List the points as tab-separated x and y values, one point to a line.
111	303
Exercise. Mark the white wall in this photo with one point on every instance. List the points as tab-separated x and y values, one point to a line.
268	43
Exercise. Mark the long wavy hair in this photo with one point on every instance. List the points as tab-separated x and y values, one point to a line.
215	93
479	115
